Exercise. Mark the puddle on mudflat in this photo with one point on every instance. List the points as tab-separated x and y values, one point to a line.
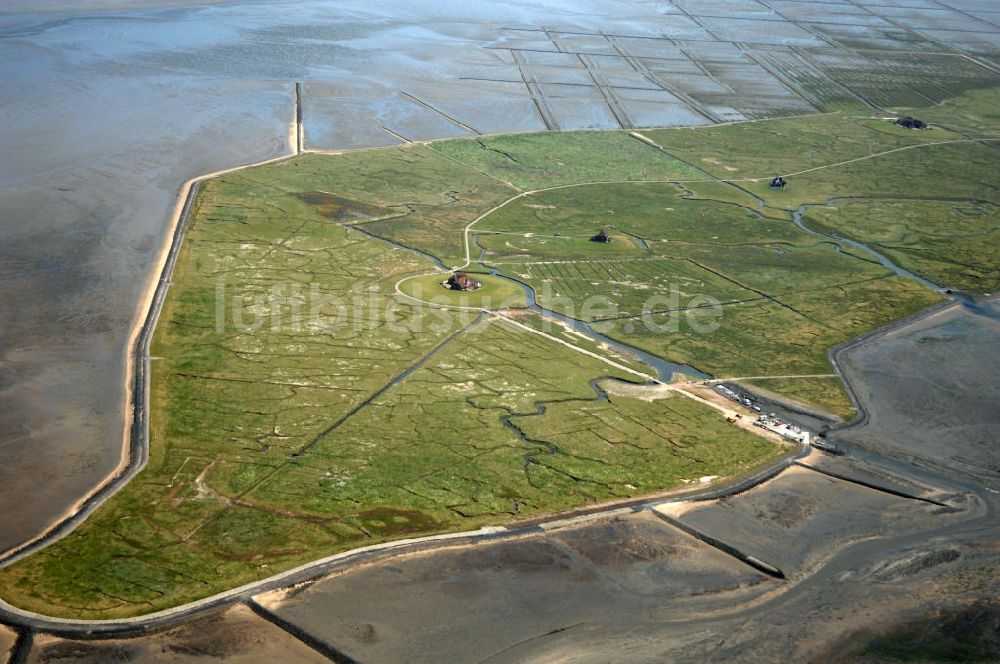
343	209
388	521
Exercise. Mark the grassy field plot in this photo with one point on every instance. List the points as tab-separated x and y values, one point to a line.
279	324
598	290
300	409
776	147
478	431
564	332
765	337
534	161
974	114
957	171
412	195
651	211
481	433
506	246
780	289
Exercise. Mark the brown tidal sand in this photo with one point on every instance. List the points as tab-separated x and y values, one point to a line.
237	636
7	639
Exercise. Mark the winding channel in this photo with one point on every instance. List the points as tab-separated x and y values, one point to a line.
975	304
798	218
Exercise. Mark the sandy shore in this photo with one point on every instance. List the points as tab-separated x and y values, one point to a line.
159	277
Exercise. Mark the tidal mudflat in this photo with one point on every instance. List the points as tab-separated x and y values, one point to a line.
801	517
936	386
467	604
7	639
236	636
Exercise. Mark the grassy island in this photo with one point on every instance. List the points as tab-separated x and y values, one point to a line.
315	388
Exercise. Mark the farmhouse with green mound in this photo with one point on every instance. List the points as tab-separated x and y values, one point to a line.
463	282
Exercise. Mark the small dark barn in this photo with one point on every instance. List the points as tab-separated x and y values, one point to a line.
911	123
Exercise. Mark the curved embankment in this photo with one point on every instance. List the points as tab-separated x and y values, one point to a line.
861	413
124	627
136	452
137	434
135	445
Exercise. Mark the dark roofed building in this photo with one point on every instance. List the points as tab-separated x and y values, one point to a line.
911	123
778	183
601	237
462	281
